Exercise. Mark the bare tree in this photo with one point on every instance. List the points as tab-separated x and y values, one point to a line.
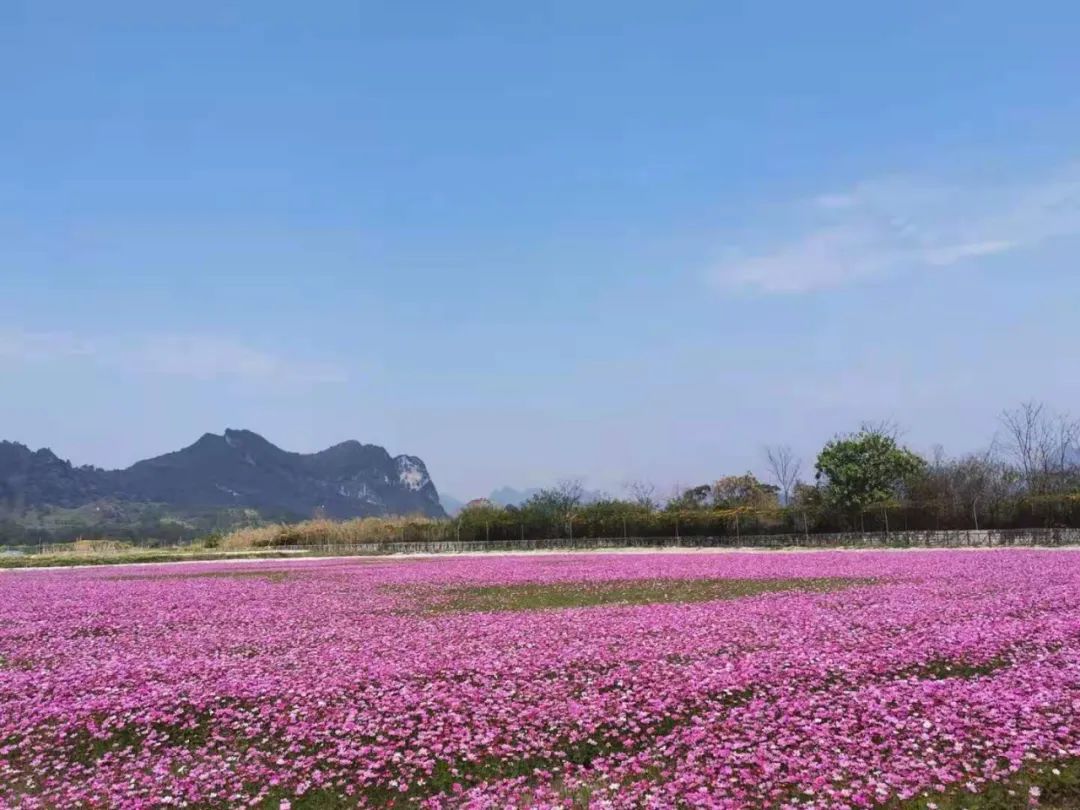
883	427
1067	444
1041	444
1025	440
675	493
976	482
643	493
571	491
785	468
938	457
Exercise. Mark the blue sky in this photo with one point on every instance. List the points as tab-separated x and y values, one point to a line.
610	240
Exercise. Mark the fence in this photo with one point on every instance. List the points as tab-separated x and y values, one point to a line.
901	539
962	538
610	519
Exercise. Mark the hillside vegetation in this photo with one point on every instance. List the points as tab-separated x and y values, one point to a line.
219	482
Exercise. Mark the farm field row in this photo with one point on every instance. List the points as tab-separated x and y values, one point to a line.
822	680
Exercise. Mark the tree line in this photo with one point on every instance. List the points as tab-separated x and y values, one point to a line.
866	480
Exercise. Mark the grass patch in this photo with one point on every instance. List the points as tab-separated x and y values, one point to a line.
1051	786
554	596
316	799
269	576
942	668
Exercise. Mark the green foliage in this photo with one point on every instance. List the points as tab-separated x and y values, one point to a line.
609	518
557	503
865	469
729	492
691	499
480	512
735	491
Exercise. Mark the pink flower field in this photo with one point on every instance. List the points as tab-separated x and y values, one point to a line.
824	680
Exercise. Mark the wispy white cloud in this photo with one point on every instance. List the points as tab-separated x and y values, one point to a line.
895	225
201	357
837	201
20	345
206	357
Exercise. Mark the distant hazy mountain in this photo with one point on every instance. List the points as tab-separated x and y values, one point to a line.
508	496
236	470
451	504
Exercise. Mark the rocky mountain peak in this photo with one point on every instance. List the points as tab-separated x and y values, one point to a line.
238	469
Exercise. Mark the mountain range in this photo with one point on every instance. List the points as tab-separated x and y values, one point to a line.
236	471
